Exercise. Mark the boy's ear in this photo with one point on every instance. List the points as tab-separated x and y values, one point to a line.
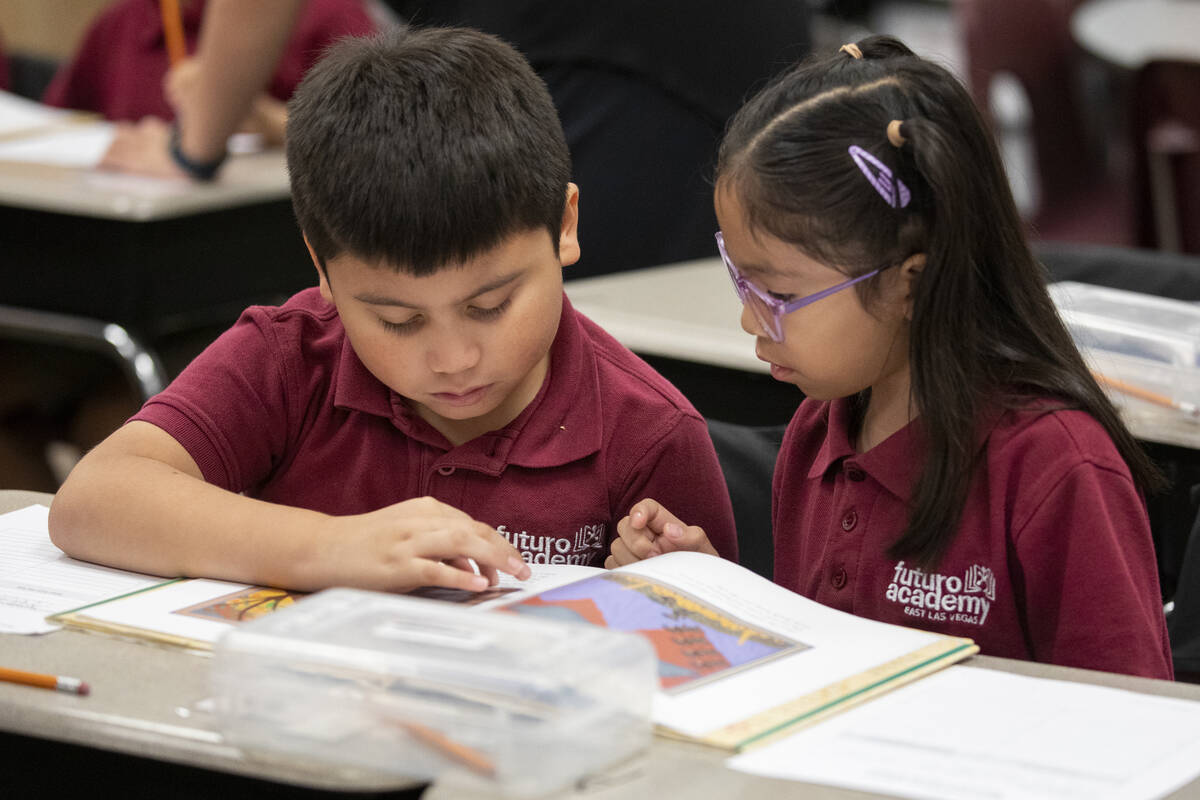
321	276
910	273
568	238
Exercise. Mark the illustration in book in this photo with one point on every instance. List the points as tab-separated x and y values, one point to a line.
696	642
242	605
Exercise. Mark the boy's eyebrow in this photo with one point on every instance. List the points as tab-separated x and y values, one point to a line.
383	300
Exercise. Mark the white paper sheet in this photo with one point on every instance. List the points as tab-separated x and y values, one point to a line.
78	144
36	578
19	114
967	733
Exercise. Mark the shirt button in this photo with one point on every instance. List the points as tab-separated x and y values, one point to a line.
855	474
849	520
839	578
445	470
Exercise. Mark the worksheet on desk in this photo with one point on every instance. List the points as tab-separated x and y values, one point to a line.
36	578
968	733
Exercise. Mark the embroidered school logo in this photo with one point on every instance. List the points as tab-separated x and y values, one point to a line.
584	546
934	597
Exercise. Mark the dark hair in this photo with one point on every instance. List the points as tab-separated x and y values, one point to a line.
985	334
422	147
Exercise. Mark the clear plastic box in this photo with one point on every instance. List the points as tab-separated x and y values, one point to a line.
1158	329
1145	350
421	687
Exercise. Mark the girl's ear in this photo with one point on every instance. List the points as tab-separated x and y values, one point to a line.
910	273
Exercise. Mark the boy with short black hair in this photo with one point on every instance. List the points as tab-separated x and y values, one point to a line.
436	401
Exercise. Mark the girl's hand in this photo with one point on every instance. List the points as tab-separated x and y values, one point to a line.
419	542
651	530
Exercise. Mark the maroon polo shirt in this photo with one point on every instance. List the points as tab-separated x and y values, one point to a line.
281	408
119	67
1053	559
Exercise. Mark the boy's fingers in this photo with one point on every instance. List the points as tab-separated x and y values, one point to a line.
439	574
487	548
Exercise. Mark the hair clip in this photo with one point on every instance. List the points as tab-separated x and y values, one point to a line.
890	188
895	133
851	49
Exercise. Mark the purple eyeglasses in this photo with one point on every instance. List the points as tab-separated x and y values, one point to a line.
768	310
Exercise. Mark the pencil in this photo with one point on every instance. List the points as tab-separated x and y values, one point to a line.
1189	409
467	756
172	22
59	682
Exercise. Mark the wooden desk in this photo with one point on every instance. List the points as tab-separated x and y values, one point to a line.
162	259
154	256
689	313
684	320
1130	33
141	719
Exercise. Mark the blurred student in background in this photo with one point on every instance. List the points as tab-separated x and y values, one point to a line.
643	91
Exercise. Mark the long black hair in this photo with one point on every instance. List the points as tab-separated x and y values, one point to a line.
985	334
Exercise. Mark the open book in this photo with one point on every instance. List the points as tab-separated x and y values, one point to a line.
741	660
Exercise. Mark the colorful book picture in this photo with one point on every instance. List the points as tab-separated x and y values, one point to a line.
242	605
696	641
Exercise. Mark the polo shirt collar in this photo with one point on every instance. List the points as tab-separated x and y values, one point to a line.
895	462
560	425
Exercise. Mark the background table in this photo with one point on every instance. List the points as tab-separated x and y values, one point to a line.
1130	33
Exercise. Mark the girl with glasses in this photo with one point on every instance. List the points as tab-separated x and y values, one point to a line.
954	466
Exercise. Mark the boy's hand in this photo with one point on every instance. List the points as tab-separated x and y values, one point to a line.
652	530
419	542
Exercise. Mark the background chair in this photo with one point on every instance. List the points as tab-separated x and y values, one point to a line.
1166	138
1079	196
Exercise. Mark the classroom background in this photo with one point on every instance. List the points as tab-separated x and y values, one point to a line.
1096	105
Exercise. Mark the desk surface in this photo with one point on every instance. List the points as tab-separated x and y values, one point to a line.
244	179
690	312
1130	33
143	702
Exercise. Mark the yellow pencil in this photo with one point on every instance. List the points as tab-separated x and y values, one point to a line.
467	756
172	21
1191	410
59	682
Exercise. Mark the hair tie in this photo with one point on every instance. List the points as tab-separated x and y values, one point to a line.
851	49
895	133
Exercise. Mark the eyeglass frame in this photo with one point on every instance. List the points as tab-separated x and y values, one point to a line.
779	308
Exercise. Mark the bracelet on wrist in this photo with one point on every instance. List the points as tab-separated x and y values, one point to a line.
198	170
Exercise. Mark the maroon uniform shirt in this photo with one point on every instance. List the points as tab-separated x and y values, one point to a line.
118	69
281	408
1053	559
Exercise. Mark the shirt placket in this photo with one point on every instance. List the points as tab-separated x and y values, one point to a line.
852	501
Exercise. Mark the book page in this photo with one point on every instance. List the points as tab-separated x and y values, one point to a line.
979	733
37	579
731	644
191	613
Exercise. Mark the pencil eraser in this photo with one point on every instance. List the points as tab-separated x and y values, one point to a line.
84	689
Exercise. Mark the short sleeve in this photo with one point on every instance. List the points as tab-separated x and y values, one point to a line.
229	407
681	471
1087	575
